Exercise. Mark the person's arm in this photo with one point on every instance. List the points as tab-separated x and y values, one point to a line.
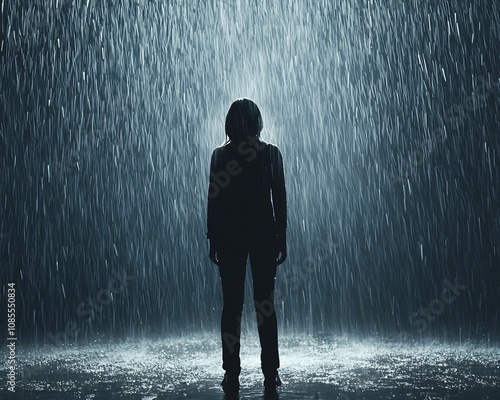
279	199
213	192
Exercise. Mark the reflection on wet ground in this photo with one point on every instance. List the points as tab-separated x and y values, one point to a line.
312	368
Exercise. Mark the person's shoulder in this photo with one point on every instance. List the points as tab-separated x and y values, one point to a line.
217	155
269	145
273	149
219	149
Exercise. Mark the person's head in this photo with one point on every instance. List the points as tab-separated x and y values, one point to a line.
243	120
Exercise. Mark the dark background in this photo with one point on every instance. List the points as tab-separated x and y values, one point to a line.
387	116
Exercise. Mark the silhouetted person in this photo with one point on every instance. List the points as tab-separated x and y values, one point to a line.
247	218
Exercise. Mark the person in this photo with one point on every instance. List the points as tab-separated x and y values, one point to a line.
247	217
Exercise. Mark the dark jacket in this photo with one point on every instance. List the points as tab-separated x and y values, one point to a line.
247	192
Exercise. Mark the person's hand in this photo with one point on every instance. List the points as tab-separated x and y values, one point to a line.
280	249
213	252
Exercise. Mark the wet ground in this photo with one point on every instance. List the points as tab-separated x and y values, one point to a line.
312	368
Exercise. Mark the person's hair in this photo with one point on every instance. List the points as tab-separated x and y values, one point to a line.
243	120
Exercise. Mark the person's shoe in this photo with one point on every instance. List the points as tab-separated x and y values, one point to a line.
272	381
230	383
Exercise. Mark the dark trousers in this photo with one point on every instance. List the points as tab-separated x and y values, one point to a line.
233	257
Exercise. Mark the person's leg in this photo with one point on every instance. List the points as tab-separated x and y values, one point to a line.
232	273
262	259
